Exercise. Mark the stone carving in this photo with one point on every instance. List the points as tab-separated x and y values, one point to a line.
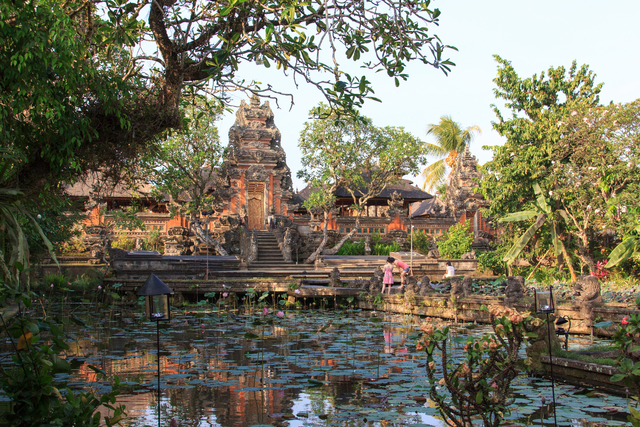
367	247
433	254
457	288
334	278
425	286
252	250
514	291
358	283
375	283
178	242
588	290
411	287
396	203
469	255
286	245
467	286
587	296
461	195
256	173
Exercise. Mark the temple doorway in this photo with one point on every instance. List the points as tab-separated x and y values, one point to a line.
256	205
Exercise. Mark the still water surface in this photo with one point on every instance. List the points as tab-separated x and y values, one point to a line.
308	368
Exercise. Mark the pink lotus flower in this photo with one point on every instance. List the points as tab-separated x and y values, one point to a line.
52	285
224	295
625	321
280	314
494	386
99	287
265	311
297	291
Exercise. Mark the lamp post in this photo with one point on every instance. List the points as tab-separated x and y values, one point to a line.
545	304
560	322
156	295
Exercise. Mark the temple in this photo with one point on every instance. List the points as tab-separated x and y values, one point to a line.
253	191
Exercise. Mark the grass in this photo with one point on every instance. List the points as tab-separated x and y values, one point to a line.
589	358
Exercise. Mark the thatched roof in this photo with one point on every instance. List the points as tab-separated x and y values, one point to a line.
405	188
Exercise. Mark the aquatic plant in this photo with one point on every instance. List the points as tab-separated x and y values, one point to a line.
479	386
627	339
35	398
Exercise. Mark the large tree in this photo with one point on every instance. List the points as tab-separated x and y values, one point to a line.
86	85
450	140
349	152
185	168
580	154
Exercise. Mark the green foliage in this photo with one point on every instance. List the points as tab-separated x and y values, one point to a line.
125	243
15	217
381	249
456	242
492	260
627	340
65	90
39	397
375	238
451	139
421	242
185	164
582	155
153	242
352	248
348	152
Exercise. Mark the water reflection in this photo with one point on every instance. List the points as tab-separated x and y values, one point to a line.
310	368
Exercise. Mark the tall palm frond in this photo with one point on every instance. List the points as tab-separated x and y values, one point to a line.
451	139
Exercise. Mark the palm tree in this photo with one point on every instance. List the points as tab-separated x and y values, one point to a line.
451	139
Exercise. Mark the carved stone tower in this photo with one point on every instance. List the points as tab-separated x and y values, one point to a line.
256	169
462	199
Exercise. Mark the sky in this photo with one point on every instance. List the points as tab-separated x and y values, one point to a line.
533	35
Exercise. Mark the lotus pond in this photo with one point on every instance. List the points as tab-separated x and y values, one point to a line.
306	368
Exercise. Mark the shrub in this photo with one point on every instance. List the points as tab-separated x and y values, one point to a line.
39	349
352	248
125	243
421	242
153	242
456	242
381	249
375	239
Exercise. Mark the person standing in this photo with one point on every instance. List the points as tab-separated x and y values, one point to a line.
388	277
404	269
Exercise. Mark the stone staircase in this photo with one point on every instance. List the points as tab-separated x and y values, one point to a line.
269	253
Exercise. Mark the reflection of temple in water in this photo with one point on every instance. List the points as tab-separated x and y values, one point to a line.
212	375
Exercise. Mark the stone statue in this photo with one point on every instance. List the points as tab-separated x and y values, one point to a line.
588	290
286	243
252	250
457	288
375	283
334	278
411	286
587	296
514	291
467	286
469	255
